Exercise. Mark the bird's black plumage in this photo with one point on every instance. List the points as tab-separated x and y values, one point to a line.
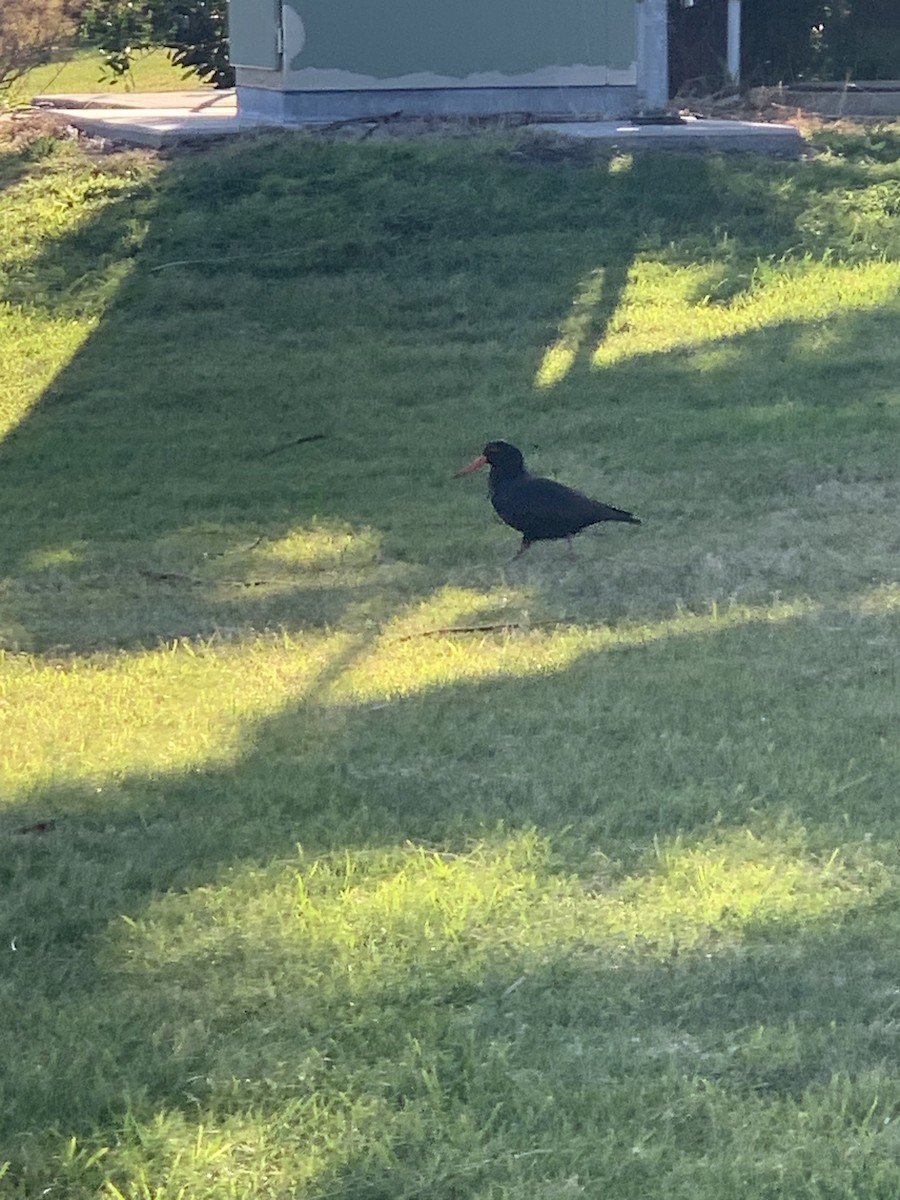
541	509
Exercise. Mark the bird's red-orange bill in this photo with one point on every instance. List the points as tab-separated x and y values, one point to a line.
474	465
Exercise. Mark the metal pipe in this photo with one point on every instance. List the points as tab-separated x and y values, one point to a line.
733	59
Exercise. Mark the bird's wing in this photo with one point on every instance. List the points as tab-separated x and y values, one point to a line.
547	496
543	508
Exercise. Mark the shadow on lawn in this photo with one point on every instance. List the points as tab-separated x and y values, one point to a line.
159	431
13	168
590	1054
225	1026
143	539
438	769
124	475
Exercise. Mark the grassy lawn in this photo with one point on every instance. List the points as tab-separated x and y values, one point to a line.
600	900
83	71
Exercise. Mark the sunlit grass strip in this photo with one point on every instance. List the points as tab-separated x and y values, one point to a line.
349	921
192	704
156	712
667	308
728	883
53	201
394	667
558	358
882	599
189	705
37	349
321	545
369	945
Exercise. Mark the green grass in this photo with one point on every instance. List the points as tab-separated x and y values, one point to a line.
84	71
602	900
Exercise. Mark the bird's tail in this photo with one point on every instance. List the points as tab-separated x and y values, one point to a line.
608	513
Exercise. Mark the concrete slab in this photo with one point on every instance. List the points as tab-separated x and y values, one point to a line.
690	133
151	119
860	99
196	100
152	128
160	118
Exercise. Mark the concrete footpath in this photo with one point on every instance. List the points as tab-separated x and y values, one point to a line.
149	118
160	118
690	133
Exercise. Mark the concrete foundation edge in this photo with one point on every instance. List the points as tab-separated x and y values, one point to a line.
846	103
298	108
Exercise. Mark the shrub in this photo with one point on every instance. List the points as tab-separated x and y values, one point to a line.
30	30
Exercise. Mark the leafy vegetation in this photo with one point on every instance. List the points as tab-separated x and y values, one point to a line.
84	71
783	41
30	30
194	32
306	894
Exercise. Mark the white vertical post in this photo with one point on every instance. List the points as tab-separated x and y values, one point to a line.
733	59
652	55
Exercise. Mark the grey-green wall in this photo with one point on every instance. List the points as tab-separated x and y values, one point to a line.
389	39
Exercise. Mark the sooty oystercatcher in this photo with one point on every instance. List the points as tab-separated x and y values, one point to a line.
540	509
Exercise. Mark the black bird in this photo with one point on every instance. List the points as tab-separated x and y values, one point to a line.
540	509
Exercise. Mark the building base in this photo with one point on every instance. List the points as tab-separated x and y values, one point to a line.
309	107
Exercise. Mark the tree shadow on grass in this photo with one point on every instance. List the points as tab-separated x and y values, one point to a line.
166	550
619	1075
636	768
464	1055
165	418
439	768
13	168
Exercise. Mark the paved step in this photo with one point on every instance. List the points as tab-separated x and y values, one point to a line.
689	133
159	118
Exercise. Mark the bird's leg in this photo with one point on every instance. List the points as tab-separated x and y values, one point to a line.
571	546
526	545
